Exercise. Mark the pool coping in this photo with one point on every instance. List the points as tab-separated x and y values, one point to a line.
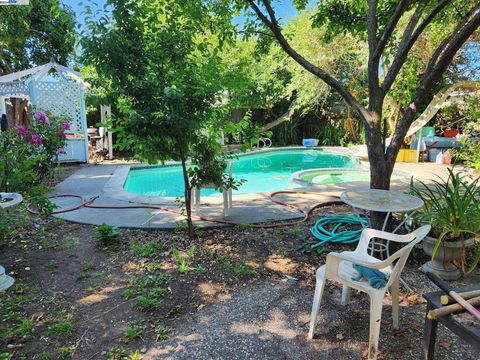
114	187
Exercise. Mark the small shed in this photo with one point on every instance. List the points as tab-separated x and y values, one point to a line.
59	90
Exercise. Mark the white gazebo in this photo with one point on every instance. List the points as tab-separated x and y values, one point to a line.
61	94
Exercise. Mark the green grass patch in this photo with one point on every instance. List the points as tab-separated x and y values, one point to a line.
150	249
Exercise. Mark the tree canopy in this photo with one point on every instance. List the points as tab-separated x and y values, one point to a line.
35	34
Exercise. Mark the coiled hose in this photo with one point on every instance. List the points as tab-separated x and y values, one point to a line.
335	235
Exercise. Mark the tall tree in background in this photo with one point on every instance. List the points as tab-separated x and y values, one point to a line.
378	21
33	35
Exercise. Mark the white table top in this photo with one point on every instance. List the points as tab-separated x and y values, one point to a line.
388	201
13	199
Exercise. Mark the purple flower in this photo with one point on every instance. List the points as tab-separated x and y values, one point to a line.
40	116
35	140
66	125
61	150
62	135
22	130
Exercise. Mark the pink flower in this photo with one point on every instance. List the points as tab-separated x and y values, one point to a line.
22	130
62	135
66	125
61	150
40	116
35	139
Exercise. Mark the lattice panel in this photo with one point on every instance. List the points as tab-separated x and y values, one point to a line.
19	89
62	98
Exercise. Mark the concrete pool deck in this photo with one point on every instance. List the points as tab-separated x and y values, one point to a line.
105	183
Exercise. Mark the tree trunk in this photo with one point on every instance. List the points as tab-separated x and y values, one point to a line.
187	197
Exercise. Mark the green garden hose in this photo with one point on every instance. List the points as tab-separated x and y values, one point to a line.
335	223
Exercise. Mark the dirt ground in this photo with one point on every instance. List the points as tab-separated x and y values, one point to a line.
135	300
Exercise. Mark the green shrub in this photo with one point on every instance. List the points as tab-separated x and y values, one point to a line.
107	235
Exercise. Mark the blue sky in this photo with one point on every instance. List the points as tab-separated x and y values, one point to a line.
284	9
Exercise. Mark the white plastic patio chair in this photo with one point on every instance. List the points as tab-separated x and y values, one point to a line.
339	268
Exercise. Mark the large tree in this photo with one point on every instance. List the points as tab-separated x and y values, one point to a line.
389	47
33	35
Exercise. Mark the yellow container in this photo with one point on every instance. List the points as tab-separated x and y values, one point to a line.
401	155
410	155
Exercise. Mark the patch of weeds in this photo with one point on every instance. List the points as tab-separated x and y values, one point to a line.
93	289
150	249
44	355
107	235
88	266
51	265
6	356
161	333
15	301
115	353
84	274
185	259
181	226
245	226
147	290
237	268
133	332
65	352
70	242
293	230
64	326
154	267
119	353
200	269
24	329
52	300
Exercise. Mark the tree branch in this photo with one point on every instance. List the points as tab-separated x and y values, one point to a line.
460	35
444	44
387	33
408	41
373	64
272	23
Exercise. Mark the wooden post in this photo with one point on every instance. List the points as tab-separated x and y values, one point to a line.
105	114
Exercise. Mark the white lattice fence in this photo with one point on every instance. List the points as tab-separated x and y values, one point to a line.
19	89
62	98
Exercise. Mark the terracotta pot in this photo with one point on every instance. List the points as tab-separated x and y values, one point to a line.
447	253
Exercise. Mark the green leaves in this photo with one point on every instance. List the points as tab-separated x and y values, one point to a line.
451	206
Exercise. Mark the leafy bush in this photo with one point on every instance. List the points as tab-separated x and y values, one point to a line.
451	207
469	152
28	155
107	235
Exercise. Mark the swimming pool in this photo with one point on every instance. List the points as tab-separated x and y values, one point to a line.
336	176
263	171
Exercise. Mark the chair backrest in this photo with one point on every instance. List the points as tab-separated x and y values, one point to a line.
402	254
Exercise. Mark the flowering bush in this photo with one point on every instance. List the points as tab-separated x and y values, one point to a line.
29	153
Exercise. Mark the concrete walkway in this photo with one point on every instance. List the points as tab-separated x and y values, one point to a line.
102	182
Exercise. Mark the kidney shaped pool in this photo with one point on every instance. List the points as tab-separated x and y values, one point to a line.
263	171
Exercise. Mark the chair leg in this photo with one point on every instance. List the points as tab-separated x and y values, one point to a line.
225	203
346	292
375	322
317	298
395	308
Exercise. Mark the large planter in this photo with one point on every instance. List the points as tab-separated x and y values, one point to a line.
447	253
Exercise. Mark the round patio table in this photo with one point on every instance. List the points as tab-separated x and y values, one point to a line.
384	201
7	200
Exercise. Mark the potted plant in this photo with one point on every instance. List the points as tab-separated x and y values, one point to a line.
452	208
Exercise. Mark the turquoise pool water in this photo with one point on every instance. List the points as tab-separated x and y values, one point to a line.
264	172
